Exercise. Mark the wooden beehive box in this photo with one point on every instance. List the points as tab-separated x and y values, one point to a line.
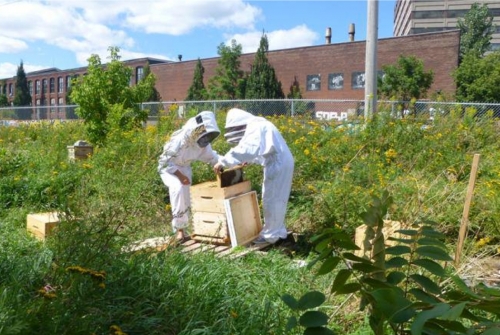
389	230
80	150
209	211
225	211
42	224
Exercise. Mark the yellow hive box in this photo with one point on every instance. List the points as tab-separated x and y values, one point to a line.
42	224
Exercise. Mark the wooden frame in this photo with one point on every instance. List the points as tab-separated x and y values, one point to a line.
243	218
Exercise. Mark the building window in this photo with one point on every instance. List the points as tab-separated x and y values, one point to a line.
30	87
494	11
52	85
37	87
428	14
68	82
60	85
139	74
426	30
358	80
44	86
455	13
11	90
335	81
313	82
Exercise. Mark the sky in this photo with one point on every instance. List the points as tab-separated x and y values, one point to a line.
65	33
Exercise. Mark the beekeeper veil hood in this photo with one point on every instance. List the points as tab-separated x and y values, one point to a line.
206	128
236	124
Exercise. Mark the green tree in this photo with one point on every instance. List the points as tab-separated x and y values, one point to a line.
155	95
262	82
4	102
22	96
197	90
3	87
405	80
476	29
229	80
106	101
295	92
478	78
69	90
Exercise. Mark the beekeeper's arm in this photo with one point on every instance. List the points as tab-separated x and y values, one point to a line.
208	155
247	151
172	150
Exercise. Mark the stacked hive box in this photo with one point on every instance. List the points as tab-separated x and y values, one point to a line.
225	215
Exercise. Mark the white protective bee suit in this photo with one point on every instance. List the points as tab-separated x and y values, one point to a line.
258	141
188	144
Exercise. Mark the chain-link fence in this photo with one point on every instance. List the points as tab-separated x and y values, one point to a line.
338	110
14	115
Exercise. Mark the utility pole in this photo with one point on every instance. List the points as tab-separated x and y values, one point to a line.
371	59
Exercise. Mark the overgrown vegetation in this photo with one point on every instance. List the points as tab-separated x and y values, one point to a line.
80	281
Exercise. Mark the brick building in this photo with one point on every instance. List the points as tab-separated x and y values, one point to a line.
329	71
49	87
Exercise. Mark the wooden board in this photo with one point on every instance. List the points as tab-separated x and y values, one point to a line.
243	218
462	234
224	240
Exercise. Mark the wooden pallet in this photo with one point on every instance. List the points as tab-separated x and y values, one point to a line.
157	244
194	247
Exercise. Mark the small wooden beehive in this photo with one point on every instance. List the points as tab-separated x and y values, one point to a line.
209	211
389	230
41	225
225	211
80	150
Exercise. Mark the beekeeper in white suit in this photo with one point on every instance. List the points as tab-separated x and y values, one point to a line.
188	144
258	141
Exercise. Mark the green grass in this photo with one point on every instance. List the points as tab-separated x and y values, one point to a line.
116	197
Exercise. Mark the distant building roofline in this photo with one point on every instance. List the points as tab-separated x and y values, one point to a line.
150	60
